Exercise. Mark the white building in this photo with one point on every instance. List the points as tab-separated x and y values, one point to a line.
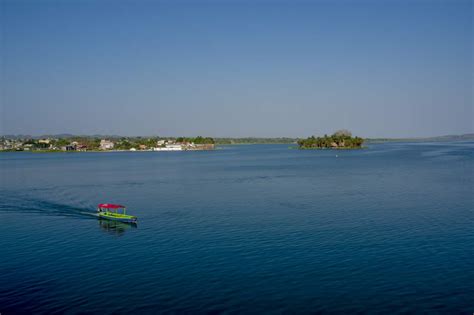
106	144
170	147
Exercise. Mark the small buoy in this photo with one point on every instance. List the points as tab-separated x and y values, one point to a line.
336	155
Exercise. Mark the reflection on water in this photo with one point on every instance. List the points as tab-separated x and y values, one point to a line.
115	227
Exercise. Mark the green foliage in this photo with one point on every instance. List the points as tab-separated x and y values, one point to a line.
341	139
90	143
123	144
197	140
148	142
62	142
252	140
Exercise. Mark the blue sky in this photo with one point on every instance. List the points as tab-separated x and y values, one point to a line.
237	68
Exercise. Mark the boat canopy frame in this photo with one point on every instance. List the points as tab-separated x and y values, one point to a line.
111	207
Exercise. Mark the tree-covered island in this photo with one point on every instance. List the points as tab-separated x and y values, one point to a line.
341	139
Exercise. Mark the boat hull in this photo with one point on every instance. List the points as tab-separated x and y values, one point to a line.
117	217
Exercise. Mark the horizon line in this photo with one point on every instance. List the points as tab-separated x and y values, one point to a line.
64	135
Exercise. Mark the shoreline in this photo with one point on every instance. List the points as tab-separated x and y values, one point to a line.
217	147
96	151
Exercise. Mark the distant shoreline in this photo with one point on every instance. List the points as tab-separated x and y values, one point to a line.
240	144
97	151
253	140
50	144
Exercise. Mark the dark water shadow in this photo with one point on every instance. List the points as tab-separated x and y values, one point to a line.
116	228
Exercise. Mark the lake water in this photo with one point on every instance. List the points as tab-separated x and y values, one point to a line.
243	229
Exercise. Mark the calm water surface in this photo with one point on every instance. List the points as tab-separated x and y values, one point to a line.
243	229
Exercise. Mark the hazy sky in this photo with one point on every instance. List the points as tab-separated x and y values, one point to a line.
237	68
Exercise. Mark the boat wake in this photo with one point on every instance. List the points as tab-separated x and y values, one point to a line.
25	204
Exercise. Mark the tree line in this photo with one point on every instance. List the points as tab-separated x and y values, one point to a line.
340	139
197	140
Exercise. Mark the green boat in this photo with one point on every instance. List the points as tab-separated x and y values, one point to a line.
115	213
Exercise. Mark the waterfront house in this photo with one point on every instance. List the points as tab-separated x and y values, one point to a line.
44	141
45	144
81	147
106	145
169	147
69	147
174	147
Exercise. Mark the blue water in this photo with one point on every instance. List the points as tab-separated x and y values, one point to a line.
243	229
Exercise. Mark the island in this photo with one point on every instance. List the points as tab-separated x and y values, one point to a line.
341	139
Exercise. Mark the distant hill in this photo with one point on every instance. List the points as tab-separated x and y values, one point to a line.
447	138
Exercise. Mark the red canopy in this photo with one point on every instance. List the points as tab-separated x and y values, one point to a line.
109	206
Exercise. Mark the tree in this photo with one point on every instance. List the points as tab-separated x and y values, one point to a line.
343	133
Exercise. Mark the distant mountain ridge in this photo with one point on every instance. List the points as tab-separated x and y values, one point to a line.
447	138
